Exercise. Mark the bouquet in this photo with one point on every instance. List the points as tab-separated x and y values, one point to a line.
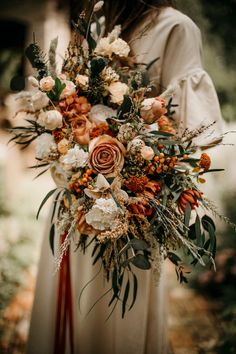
128	182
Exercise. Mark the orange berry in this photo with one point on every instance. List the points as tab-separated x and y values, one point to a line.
161	155
162	160
171	164
156	158
185	156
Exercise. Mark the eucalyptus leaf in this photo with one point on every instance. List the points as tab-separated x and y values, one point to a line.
138	245
51	237
44	201
141	262
187	214
125	298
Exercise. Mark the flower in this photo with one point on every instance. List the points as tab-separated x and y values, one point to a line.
46	83
205	161
190	196
63	146
108	75
81	127
147	153
152	109
165	124
126	133
99	130
136	184
135	146
82	81
68	90
50	119
102	214
98	6
75	158
82	226
99	113
120	47
106	155
117	90
59	175
44	146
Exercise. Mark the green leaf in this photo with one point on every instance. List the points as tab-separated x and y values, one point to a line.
68	195
44	201
187	214
98	26
135	291
160	133
198	228
206	220
126	295
51	237
138	245
140	261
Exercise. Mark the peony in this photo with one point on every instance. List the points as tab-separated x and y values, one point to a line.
103	214
117	91
50	119
44	146
75	158
120	47
147	153
68	90
81	127
82	81
46	83
99	113
106	155
152	109
63	146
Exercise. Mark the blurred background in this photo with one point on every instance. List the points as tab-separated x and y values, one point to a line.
201	313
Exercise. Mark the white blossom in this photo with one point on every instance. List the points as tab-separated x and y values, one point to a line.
50	119
44	146
75	158
102	214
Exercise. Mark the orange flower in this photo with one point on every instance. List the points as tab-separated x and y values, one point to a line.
142	208
190	196
81	127
205	161
99	130
58	135
165	124
73	105
136	184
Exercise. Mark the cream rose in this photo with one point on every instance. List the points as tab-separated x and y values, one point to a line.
68	90
99	113
46	83
147	153
117	90
152	109
50	119
75	158
106	155
82	81
81	127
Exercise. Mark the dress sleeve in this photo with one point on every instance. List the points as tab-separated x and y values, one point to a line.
192	88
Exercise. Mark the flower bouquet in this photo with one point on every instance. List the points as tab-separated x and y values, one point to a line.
127	179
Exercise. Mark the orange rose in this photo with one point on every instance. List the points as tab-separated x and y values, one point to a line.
106	155
81	127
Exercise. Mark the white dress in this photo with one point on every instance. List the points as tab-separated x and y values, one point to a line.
177	41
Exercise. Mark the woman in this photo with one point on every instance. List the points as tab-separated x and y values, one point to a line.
155	29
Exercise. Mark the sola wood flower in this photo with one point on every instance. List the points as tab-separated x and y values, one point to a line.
81	127
190	196
152	109
106	155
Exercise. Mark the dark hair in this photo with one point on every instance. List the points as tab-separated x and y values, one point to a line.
129	13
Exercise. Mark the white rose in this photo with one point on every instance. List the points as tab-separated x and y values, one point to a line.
117	91
68	90
39	100
47	83
75	158
82	81
120	47
44	146
147	153
99	113
50	119
102	214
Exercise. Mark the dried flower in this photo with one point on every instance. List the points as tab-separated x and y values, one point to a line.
190	196
205	161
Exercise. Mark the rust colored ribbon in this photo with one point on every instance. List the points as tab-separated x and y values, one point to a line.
64	317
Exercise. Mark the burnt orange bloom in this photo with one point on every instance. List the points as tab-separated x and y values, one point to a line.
205	161
136	184
73	106
99	130
190	196
142	208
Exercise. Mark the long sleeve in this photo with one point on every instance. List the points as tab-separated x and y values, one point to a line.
193	89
